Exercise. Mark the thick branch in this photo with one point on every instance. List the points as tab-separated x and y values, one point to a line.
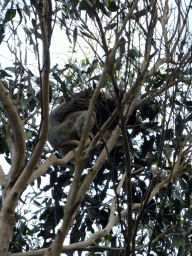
2	176
18	155
20	184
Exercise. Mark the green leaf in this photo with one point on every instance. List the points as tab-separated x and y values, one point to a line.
168	151
118	63
75	32
27	31
68	35
10	14
106	2
86	7
111	26
37	34
3	74
112	7
12	69
86	34
2	31
122	48
20	14
134	53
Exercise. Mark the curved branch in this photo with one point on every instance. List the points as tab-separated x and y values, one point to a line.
2	176
51	161
18	153
20	184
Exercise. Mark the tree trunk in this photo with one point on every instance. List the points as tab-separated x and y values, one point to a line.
7	223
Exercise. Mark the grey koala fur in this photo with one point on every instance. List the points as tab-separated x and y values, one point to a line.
69	129
67	120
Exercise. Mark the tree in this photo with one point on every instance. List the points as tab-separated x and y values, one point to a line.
128	190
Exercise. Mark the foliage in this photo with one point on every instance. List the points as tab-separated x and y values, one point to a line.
136	51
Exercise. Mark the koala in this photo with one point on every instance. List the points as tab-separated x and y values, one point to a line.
67	121
67	129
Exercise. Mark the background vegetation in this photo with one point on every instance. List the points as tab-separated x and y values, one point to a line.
129	191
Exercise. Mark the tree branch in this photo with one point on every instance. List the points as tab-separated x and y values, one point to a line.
18	153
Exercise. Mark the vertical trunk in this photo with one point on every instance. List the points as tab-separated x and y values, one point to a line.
7	223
